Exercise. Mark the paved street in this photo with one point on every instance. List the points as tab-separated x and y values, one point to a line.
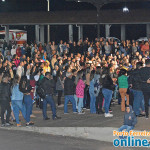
86	120
18	140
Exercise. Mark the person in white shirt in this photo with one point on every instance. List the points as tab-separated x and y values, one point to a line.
20	69
13	51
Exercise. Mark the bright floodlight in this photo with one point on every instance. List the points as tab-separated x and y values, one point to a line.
79	1
3	0
125	9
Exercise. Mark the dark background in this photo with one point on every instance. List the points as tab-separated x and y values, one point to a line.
61	32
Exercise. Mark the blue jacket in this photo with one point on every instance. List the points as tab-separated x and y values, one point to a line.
133	120
16	94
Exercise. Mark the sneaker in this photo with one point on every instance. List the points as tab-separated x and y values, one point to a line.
29	124
66	113
18	125
8	124
46	118
84	107
2	125
108	115
59	106
140	115
56	118
75	112
81	113
32	116
146	117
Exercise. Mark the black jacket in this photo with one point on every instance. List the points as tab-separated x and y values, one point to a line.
5	93
107	82
144	74
69	87
48	85
134	79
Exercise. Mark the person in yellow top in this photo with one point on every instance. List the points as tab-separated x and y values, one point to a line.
46	67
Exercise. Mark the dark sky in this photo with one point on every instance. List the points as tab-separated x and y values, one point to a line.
41	5
61	32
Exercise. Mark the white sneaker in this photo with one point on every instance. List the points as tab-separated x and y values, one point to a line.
108	115
81	113
59	106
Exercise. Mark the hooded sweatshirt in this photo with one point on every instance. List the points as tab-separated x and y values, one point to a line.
130	118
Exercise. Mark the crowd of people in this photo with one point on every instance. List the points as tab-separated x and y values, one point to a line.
90	75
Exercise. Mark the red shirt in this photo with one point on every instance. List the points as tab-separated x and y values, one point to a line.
18	52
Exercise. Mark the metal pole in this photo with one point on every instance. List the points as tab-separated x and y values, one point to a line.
48	26
98	21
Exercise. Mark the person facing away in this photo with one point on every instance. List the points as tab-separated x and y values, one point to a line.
48	85
130	120
69	90
5	100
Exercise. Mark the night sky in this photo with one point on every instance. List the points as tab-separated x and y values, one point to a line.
61	32
41	5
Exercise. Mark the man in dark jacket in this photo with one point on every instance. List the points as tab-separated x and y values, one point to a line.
69	88
5	100
136	89
48	85
130	120
145	85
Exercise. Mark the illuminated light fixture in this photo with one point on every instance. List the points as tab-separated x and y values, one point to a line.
125	9
3	0
79	1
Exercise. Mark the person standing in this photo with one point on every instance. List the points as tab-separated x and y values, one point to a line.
134	81
48	85
144	74
123	86
26	88
69	89
92	93
5	100
107	87
17	100
59	87
80	92
20	69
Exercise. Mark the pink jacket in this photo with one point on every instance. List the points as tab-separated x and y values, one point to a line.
80	89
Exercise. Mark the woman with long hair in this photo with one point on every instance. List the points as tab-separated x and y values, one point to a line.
107	90
80	85
26	89
17	100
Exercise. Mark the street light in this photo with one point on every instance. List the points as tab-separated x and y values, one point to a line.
48	26
3	0
125	9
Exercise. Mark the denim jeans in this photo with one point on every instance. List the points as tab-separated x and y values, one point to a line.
18	106
138	102
79	103
92	103
107	96
72	100
28	106
123	127
49	100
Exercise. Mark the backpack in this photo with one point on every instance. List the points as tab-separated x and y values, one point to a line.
40	91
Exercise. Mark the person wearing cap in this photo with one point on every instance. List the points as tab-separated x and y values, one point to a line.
69	88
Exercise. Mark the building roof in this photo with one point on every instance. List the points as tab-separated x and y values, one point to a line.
139	16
